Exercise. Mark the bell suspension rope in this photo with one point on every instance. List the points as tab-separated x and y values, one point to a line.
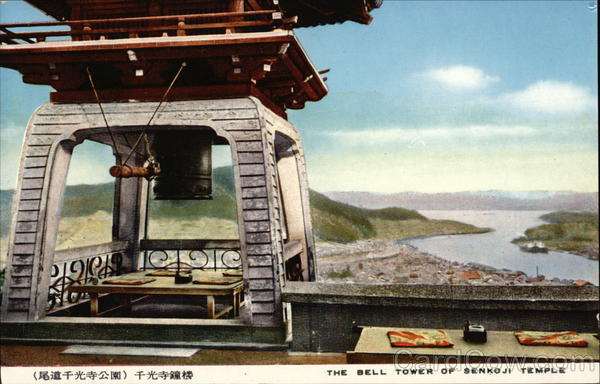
143	133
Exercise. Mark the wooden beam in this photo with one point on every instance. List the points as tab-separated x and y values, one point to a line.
154	93
159	54
279	92
261	70
299	77
235	6
254	5
136	19
10	35
254	44
280	83
210	306
160	245
94	32
268	102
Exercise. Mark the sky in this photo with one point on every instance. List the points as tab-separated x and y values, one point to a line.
432	96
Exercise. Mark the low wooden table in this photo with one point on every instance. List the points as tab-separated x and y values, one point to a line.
165	285
373	347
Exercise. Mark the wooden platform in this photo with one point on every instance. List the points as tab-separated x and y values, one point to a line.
373	347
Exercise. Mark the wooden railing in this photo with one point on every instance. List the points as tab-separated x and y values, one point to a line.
192	254
78	266
151	26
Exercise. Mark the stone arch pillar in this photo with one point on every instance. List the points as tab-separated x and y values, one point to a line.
36	202
296	180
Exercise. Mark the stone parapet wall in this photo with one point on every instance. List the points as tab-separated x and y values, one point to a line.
325	316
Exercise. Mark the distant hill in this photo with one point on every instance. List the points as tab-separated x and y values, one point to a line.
333	221
484	200
83	200
343	222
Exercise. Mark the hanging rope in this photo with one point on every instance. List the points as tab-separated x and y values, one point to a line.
143	134
110	133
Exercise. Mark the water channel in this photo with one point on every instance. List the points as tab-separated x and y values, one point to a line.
495	248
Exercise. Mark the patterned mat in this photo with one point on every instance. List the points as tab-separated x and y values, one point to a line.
422	338
129	281
233	274
561	339
216	280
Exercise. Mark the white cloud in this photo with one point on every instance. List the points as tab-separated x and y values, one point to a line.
425	135
552	97
460	78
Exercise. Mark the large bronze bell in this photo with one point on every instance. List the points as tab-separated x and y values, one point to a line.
185	165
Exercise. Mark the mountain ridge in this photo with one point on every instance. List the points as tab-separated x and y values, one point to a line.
472	200
333	221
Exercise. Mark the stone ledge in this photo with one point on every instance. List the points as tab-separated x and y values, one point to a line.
558	298
146	332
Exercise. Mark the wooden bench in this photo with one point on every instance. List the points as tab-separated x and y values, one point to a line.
373	347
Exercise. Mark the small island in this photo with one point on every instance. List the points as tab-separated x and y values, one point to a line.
573	232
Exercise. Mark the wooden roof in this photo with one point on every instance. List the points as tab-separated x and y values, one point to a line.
269	65
309	12
133	47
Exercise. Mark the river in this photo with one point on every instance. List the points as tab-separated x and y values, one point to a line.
495	249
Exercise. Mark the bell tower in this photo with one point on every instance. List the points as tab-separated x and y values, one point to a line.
162	82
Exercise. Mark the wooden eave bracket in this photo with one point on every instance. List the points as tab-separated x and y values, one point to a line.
260	72
301	80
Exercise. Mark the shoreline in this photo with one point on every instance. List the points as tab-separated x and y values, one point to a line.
422	237
393	262
591	254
